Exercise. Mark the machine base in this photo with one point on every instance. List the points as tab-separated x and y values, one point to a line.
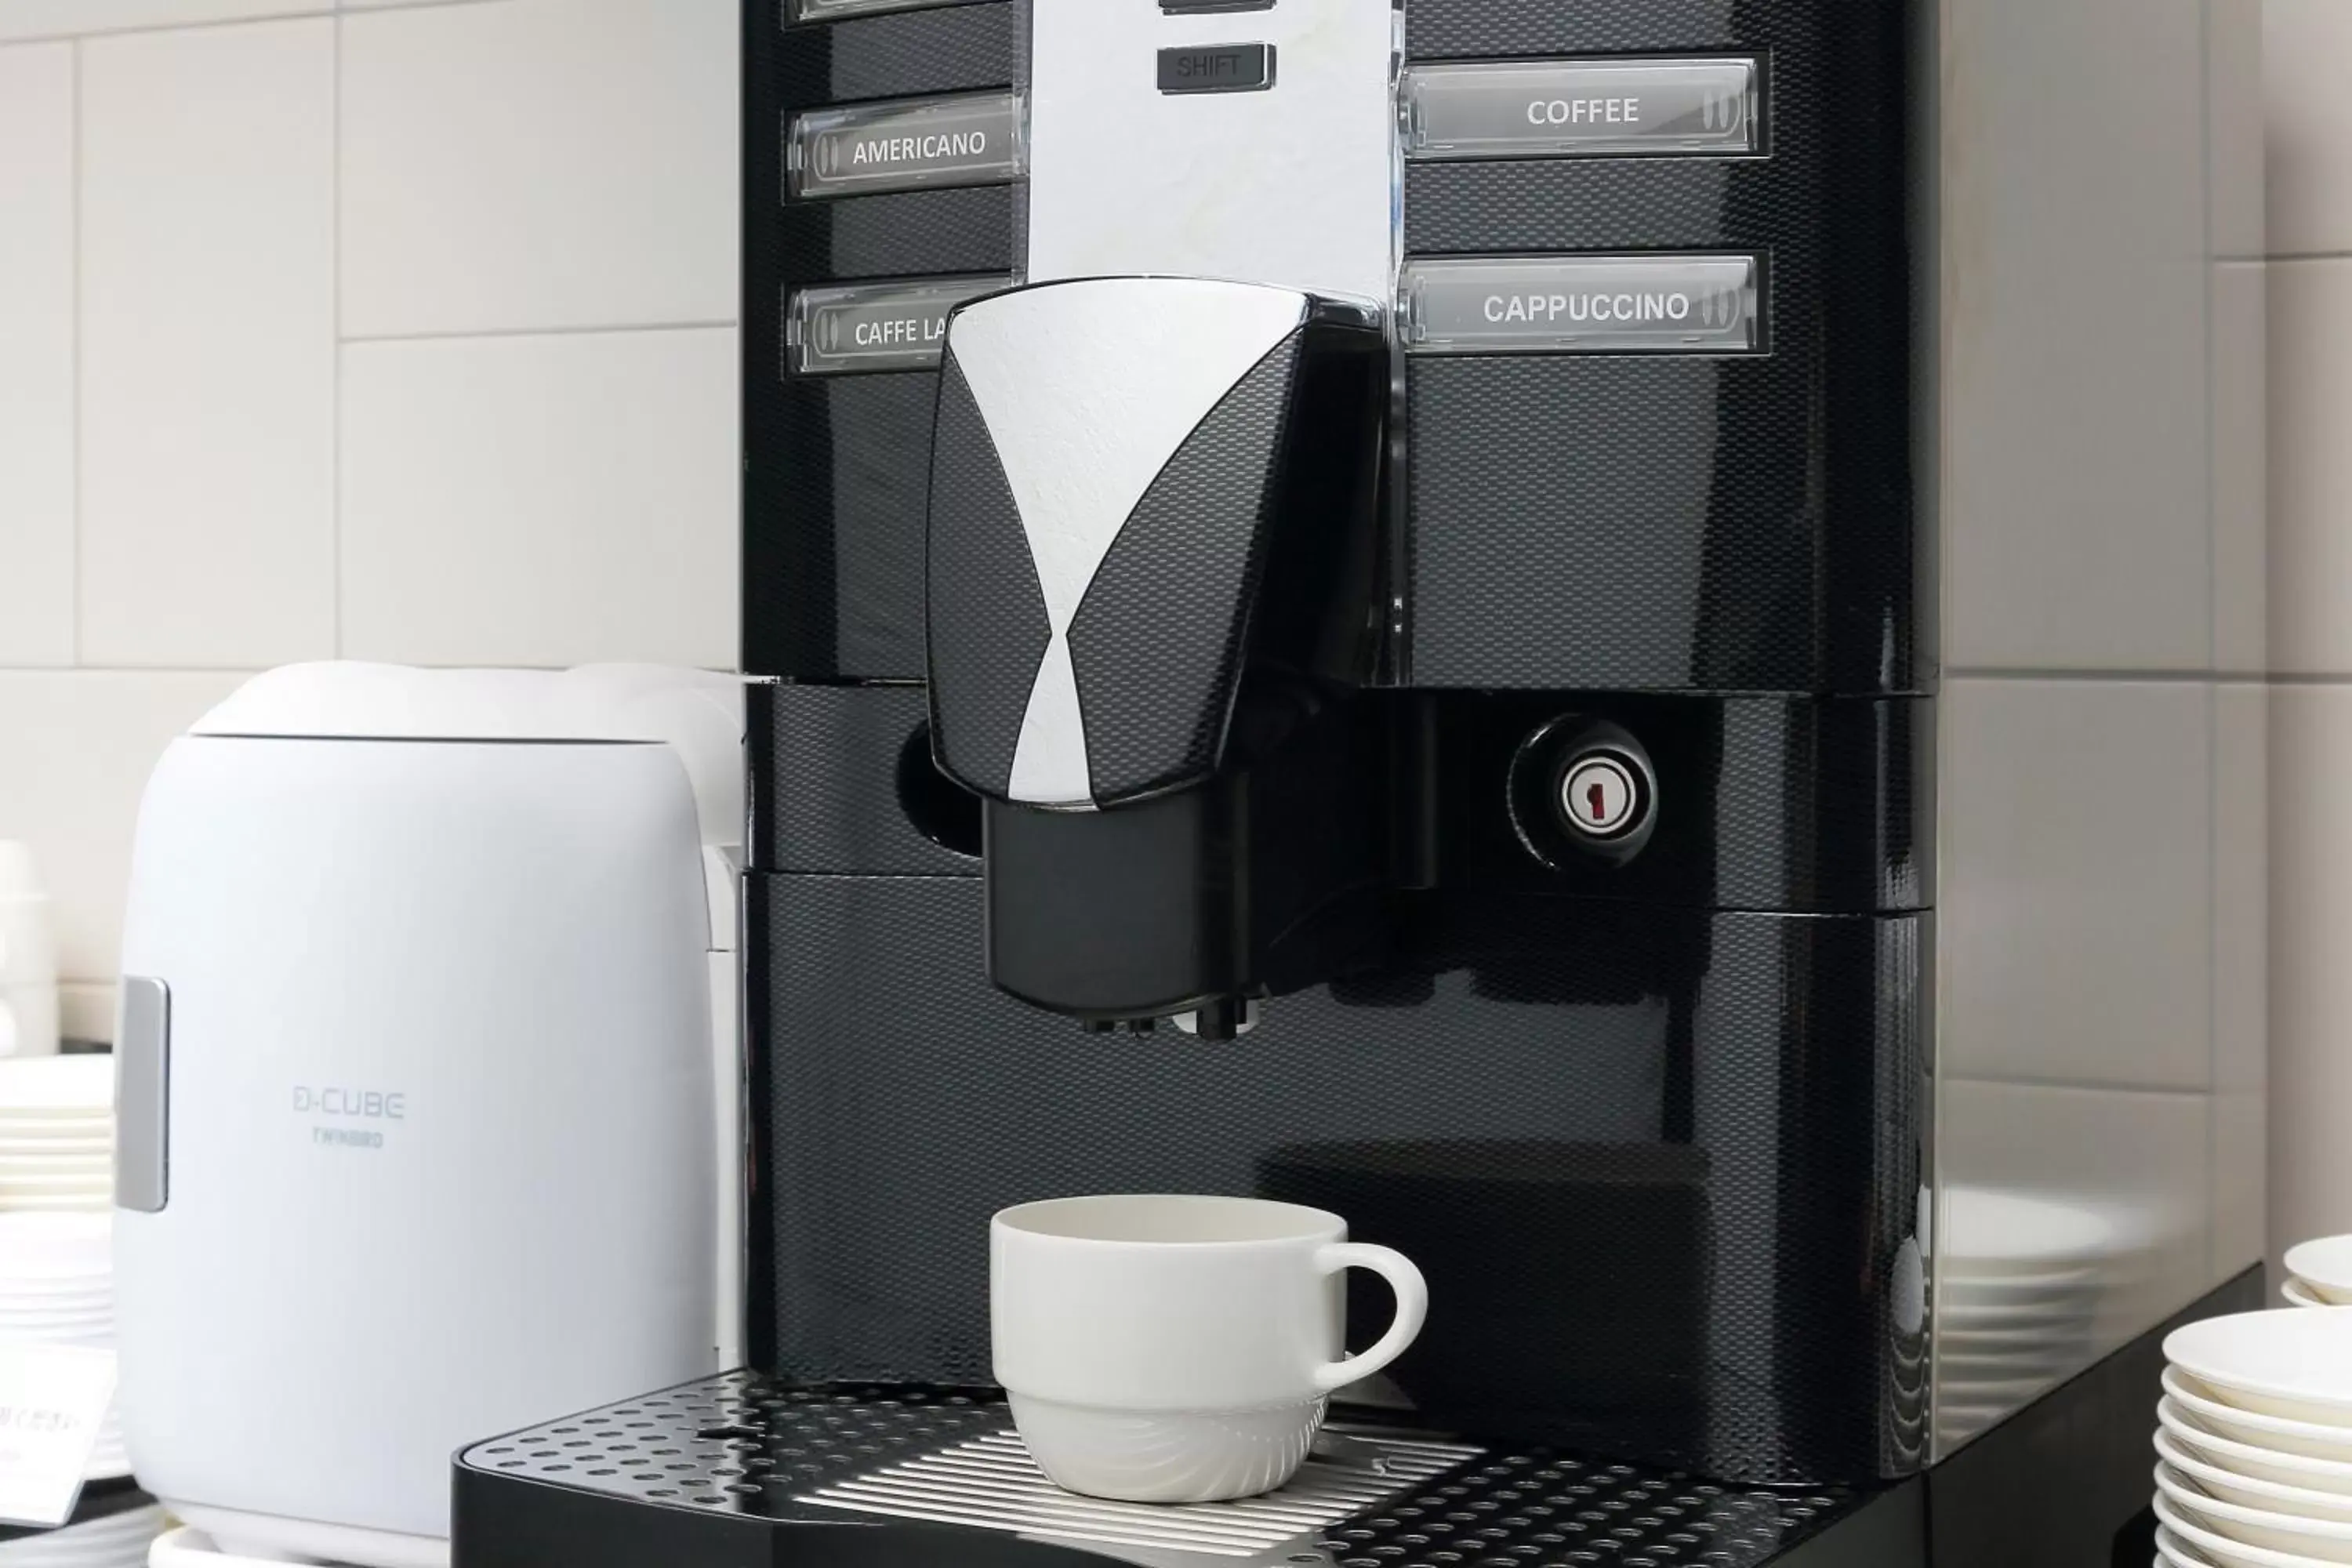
737	1471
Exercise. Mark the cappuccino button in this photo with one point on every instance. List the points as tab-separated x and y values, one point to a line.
1591	109
1584	304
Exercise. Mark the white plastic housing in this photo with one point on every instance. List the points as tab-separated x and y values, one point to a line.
444	1110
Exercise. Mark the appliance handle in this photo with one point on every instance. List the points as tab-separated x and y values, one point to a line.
1411	1308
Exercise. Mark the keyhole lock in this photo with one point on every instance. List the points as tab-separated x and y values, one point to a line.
1583	789
1601	795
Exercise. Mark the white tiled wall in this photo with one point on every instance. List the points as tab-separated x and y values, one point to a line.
386	330
2307	45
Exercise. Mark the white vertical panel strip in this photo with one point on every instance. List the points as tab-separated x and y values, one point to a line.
1050	767
1293	185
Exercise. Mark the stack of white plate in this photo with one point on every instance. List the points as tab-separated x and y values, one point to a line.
190	1548
116	1539
2020	1280
2254	1442
57	1288
56	1134
2319	1273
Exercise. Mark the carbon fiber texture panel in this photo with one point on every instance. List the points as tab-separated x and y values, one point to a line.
838	786
954	49
1658	523
1159	641
835	490
1452	29
903	233
775	552
986	608
1729	1109
1769	804
836	470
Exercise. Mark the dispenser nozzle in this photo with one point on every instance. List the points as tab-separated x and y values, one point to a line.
1220	1023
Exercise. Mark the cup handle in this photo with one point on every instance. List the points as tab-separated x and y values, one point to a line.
1411	1308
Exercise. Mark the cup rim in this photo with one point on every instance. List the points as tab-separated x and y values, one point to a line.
1306	1223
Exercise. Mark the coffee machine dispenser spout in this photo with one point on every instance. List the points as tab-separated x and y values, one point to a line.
1153	583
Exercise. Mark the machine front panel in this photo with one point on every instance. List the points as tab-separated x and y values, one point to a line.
1636	1060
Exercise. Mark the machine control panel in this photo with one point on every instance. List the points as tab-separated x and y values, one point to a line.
1565	109
860	327
970	139
1584	304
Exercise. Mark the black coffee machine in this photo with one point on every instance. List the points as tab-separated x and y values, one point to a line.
1351	597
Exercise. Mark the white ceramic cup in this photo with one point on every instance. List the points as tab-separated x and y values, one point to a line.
1167	1349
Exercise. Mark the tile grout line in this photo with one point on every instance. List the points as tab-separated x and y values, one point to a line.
74	224
2213	619
2080	1086
213	23
2212	291
139	671
495	332
335	349
2136	677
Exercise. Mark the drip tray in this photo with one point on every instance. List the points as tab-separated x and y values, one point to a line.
990	1483
737	1469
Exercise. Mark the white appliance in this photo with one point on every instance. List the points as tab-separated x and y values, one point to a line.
430	1099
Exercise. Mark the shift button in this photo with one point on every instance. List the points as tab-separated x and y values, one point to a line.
1217	68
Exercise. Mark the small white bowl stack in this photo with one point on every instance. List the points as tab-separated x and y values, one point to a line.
2020	1281
56	1134
2319	1273
2254	1442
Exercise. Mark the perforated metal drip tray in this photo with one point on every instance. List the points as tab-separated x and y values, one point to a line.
738	1469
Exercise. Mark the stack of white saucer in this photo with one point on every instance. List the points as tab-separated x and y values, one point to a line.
56	1134
28	958
57	1288
2319	1273
188	1547
118	1538
2020	1280
2254	1442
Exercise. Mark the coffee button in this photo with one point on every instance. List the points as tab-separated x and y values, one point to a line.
1566	108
